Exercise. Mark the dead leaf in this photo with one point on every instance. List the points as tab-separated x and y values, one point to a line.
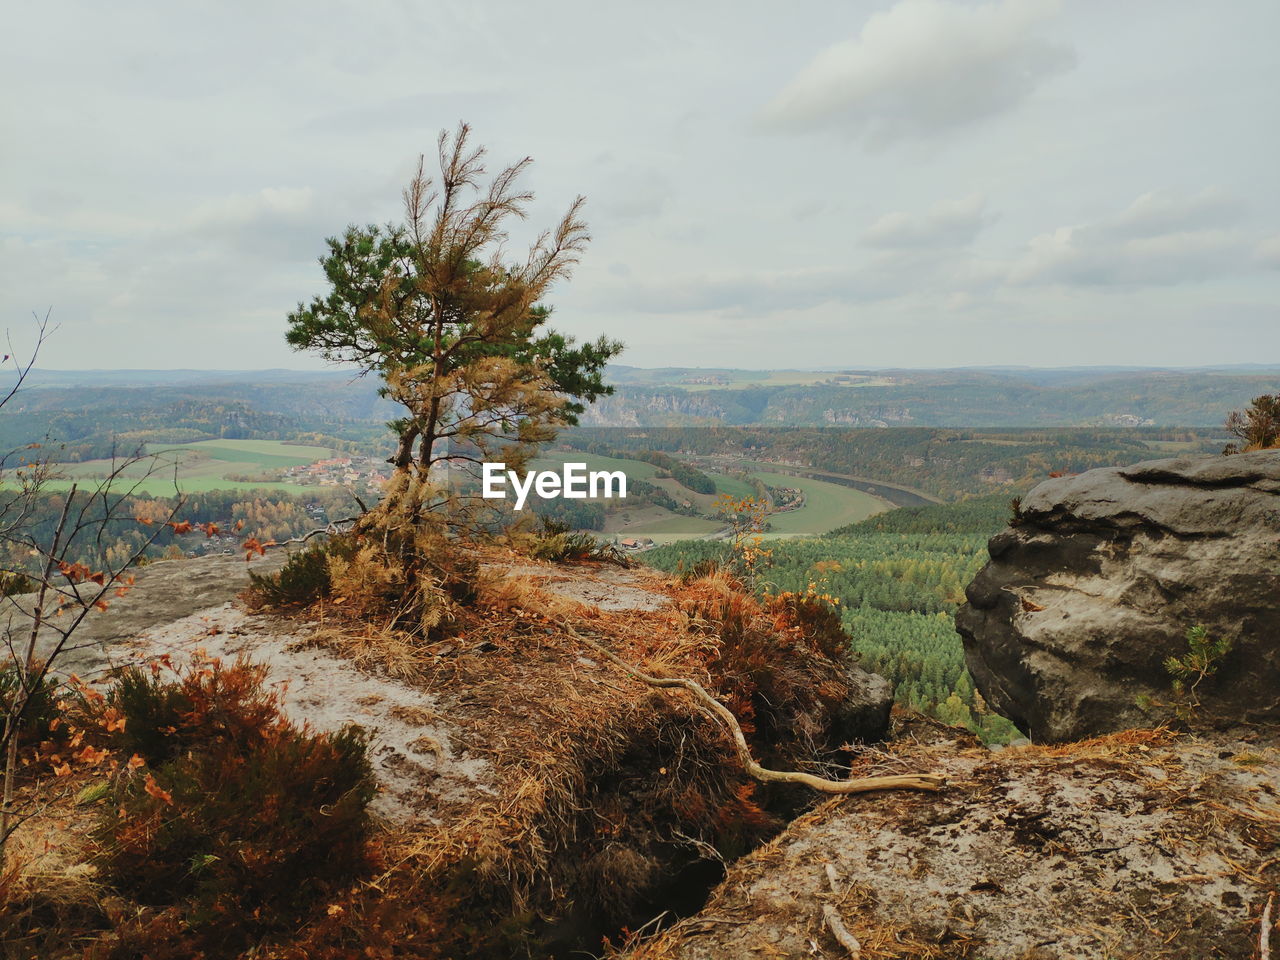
153	788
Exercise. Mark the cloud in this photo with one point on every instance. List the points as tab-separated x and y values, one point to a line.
633	194
284	223
1268	252
951	224
1161	239
748	293
1165	211
921	68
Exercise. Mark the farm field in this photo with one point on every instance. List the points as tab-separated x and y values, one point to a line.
827	506
166	487
264	453
203	466
555	459
732	486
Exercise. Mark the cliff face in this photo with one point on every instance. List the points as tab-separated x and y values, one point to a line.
1068	628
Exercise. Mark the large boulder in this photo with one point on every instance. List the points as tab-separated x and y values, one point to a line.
1068	628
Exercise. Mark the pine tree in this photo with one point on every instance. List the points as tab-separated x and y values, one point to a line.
458	334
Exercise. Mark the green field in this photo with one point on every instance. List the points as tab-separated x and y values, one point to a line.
731	486
261	453
675	524
826	506
555	459
202	466
165	487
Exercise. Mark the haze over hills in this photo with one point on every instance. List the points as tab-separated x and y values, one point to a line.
1033	397
675	396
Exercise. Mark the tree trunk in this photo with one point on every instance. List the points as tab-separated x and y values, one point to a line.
404	451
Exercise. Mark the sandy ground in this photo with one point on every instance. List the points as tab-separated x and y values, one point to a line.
182	607
414	749
1116	849
604	585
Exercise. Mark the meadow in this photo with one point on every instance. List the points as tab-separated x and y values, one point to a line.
827	505
202	466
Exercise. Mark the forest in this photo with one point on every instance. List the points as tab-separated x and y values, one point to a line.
948	464
897	579
142	519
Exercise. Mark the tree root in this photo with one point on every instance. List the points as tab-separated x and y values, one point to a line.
914	781
1264	934
838	930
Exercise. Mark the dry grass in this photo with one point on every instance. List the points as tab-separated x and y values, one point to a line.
605	785
48	891
1123	745
374	646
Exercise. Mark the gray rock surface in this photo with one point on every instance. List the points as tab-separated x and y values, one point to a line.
1135	847
164	592
865	714
1068	626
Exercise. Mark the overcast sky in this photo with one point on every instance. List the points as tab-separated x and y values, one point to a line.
912	183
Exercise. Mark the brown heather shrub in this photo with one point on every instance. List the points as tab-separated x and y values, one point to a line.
230	815
812	622
208	704
781	664
391	567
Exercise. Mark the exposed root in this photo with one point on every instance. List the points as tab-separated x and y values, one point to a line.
835	923
914	781
1264	936
838	930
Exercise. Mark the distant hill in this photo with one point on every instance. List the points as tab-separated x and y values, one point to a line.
91	407
1069	397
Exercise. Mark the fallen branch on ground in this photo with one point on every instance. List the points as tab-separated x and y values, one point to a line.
332	529
841	932
835	923
914	781
1264	935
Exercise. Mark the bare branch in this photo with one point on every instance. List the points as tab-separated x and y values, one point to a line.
915	781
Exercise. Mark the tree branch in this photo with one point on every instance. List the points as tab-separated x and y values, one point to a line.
915	781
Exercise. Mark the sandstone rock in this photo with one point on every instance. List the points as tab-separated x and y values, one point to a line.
1068	627
1137	845
864	715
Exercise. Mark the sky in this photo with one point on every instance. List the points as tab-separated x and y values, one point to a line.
919	183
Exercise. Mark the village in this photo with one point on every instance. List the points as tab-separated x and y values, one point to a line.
339	471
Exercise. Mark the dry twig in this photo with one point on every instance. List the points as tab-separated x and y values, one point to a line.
1264	936
841	932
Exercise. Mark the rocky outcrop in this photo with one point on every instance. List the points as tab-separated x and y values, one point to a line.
1136	846
546	795
1068	627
